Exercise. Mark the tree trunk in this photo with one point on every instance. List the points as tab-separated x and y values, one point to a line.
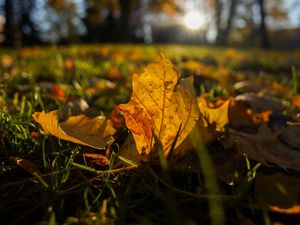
223	33
9	24
230	18
29	36
124	20
218	13
265	41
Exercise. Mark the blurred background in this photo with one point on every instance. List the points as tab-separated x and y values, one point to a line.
238	23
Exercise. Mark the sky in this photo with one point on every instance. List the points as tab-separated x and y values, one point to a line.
294	15
293	7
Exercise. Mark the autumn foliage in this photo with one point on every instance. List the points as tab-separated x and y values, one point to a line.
185	129
163	110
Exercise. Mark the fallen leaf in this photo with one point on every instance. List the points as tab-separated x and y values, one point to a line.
160	104
264	147
97	159
296	101
57	92
258	86
248	86
114	73
118	56
6	61
34	134
69	64
117	118
216	117
192	65
207	135
261	117
277	188
27	165
93	132
129	151
279	88
265	116
2	104
134	56
240	115
261	103
294	210
291	136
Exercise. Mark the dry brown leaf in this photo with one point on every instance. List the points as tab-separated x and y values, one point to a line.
6	61
129	151
97	159
27	165
117	118
59	93
69	64
114	73
296	101
258	86
240	115
265	147
161	103
261	103
277	189
294	210
93	132
192	65
291	136
217	117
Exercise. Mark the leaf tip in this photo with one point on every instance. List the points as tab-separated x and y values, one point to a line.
161	56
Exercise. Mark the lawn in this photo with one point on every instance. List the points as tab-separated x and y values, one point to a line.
238	162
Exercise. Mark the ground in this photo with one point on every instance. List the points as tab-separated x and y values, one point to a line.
239	176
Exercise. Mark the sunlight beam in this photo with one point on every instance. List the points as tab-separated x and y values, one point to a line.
193	20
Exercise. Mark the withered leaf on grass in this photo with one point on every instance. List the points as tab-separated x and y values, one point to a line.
294	210
27	165
262	103
160	104
296	101
277	189
129	151
265	147
217	117
97	159
93	132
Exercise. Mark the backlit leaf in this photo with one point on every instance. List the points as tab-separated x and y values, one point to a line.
294	210
161	103
217	117
93	132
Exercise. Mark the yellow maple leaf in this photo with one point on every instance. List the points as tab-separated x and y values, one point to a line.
93	132
160	104
217	117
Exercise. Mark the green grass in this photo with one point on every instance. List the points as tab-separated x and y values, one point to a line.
64	187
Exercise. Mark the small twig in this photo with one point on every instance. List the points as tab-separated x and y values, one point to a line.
100	174
191	194
118	170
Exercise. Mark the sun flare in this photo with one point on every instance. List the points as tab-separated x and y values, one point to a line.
194	20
